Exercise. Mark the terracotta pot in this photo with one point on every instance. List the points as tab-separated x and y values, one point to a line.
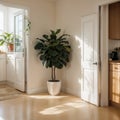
10	47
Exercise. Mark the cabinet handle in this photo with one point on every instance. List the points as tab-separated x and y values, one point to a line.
116	68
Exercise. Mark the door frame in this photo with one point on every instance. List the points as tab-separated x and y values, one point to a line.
103	37
103	51
12	5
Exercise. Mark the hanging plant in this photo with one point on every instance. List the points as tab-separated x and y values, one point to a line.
27	24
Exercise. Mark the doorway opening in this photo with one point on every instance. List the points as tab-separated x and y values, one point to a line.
13	30
109	49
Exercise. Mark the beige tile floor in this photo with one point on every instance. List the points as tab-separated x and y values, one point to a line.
8	92
46	107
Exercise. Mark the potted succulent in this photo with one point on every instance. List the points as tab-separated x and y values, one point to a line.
54	52
8	39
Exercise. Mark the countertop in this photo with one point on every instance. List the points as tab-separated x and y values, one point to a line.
114	61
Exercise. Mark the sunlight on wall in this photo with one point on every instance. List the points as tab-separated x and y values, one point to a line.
78	66
79	40
79	80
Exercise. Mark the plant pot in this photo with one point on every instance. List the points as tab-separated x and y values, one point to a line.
54	87
10	47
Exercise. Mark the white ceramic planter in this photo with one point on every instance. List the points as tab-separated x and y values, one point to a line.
54	87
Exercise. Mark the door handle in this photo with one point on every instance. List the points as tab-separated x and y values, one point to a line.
95	63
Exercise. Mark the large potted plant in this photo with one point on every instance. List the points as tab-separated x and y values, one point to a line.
7	39
54	52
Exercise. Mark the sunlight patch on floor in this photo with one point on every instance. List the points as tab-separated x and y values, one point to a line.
62	108
46	97
76	104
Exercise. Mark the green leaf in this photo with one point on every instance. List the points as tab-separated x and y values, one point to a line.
7	38
59	48
63	37
38	46
53	50
46	37
42	57
53	37
53	32
59	65
1	42
42	40
58	31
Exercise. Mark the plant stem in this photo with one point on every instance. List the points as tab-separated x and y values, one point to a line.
52	73
54	77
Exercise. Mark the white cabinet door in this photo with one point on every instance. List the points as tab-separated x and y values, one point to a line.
15	71
11	76
20	78
2	69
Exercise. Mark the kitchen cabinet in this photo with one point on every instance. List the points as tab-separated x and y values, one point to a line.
2	67
114	82
20	77
11	75
15	71
114	21
11	70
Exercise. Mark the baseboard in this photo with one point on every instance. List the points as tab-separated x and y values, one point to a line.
39	90
117	105
3	82
71	91
10	83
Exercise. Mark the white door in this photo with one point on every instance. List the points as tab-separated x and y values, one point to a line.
89	45
19	32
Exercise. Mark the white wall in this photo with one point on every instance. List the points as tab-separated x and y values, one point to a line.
113	44
3	22
42	17
68	17
10	18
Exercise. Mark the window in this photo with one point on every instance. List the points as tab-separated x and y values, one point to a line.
19	35
1	22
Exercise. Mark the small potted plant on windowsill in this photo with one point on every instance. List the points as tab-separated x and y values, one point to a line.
7	39
54	52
